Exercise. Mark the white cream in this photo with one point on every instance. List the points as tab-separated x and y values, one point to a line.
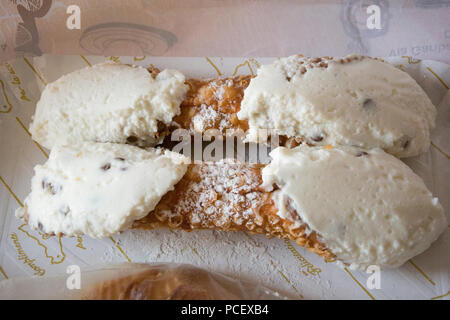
107	102
368	207
99	189
354	101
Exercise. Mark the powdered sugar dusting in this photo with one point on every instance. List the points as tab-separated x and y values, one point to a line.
213	104
207	117
218	193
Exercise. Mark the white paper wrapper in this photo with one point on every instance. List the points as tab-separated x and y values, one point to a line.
278	264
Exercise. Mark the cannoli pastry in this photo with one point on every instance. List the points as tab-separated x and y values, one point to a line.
213	104
108	102
98	189
354	101
349	203
358	206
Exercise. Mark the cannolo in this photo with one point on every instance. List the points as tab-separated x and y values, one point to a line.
354	101
360	207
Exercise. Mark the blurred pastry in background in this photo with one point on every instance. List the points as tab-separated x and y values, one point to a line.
175	282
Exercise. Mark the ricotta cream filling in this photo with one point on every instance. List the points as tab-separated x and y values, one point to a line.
354	101
99	189
368	207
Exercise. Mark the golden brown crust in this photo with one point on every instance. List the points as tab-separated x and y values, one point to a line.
153	71
213	104
227	196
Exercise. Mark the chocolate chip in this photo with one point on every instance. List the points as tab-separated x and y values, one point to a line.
317	138
288	79
361	153
161	126
106	167
403	142
369	104
119	158
64	210
40	226
288	204
132	139
55	190
50	187
303	70
406	144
